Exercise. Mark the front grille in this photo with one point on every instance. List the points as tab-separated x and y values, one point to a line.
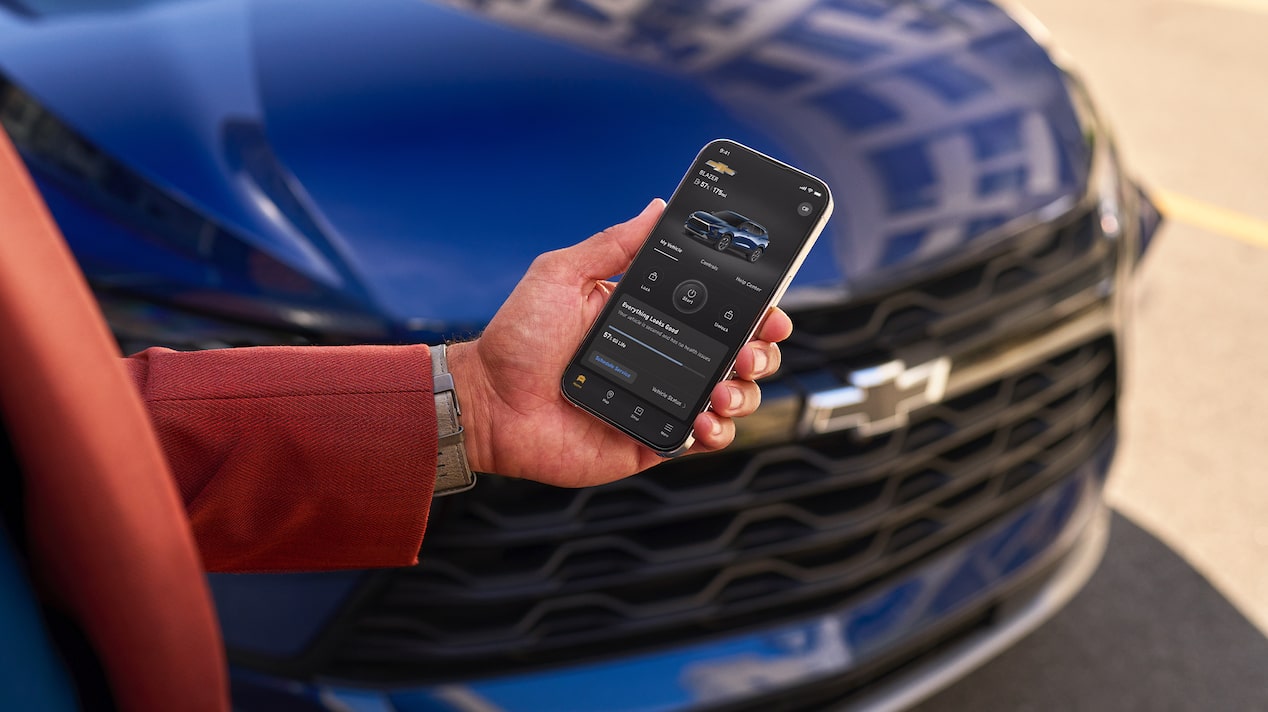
964	306
523	574
515	575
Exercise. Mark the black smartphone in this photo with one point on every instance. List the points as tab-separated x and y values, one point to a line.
728	244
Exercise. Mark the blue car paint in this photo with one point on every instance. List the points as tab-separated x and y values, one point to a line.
421	162
308	598
33	674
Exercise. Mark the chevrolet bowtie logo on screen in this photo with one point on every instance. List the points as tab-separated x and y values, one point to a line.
720	167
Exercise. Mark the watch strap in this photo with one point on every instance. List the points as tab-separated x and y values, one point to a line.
453	473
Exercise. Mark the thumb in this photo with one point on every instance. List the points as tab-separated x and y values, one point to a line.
610	252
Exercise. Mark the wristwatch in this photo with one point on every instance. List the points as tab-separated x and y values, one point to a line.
453	474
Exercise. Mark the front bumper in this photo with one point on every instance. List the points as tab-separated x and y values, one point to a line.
701	233
939	620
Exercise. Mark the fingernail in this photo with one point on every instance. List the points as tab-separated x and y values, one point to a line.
716	428
760	360
649	207
735	398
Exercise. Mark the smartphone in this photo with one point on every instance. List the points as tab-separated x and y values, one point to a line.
728	244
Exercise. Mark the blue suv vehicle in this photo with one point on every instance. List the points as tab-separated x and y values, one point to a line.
728	230
922	484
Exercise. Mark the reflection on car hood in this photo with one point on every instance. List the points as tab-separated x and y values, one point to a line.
439	147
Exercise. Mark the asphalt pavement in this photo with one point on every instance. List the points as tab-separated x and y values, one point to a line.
1147	633
1176	616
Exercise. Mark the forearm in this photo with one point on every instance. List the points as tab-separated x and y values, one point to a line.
297	458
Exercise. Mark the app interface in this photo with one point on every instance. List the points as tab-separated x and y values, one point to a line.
728	236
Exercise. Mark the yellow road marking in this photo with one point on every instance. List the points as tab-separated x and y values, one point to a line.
1213	218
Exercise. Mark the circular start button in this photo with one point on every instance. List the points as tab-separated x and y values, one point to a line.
690	296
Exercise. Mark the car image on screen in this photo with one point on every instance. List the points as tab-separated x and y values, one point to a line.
728	230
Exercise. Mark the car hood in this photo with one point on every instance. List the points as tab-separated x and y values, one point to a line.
428	152
707	217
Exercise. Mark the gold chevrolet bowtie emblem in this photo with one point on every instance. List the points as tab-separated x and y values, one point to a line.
720	167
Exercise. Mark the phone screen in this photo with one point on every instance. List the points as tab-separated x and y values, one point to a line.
731	236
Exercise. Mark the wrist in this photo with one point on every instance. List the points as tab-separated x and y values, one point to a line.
470	384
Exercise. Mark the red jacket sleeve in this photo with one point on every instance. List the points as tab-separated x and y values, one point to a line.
297	458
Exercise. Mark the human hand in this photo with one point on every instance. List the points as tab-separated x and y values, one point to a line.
516	421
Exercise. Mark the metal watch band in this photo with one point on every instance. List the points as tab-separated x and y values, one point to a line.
453	474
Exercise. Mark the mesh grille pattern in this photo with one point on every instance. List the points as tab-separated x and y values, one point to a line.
526	573
963	307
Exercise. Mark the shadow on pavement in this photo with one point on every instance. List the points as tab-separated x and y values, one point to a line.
1147	633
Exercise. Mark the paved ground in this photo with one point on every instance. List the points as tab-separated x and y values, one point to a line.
1148	633
1183	82
1176	617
